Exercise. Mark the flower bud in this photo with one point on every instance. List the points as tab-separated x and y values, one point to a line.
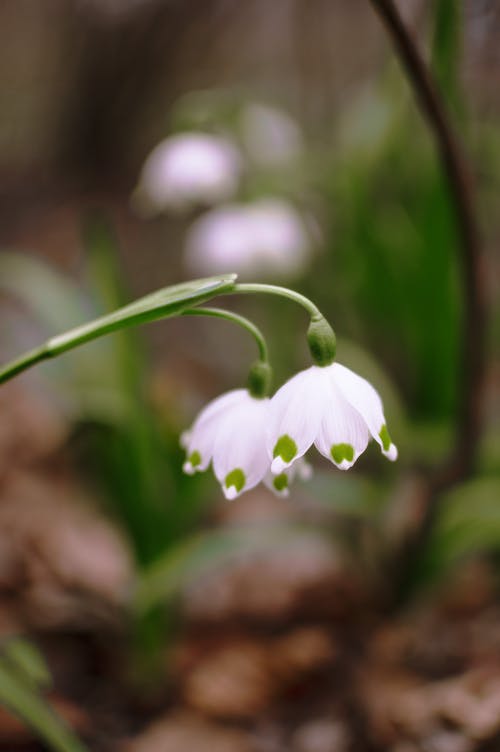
322	341
259	379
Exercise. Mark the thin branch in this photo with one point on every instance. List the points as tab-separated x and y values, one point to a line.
461	459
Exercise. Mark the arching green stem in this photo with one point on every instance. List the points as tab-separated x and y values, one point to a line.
284	292
173	301
320	335
220	313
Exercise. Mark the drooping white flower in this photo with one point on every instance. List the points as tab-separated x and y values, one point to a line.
230	433
333	408
189	169
267	237
271	137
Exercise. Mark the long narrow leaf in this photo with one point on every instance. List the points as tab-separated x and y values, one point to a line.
168	301
30	707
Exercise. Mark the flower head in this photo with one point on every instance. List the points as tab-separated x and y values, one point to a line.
268	237
333	408
230	433
190	169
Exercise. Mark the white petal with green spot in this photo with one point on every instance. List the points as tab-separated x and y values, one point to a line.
296	411
343	434
366	401
239	457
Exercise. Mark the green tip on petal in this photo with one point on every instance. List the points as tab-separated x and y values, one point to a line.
194	458
280	482
235	478
341	452
286	448
385	438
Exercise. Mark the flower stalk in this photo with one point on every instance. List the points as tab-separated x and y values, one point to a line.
221	313
182	300
320	335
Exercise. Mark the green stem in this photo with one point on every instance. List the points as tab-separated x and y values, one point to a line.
220	313
170	301
320	335
284	292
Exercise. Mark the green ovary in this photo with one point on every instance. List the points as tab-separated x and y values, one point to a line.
286	448
385	438
280	482
341	452
235	478
195	458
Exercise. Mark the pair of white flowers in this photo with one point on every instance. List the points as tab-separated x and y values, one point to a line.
268	237
249	440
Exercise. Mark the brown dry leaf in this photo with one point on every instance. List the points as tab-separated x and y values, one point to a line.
401	704
302	651
234	682
241	676
60	559
470	701
321	735
388	697
188	733
29	428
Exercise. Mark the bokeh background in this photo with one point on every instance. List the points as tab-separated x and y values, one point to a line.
139	611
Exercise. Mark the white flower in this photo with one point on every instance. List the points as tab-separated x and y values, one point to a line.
267	237
230	433
189	169
332	407
271	136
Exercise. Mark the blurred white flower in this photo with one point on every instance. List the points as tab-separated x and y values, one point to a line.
268	237
270	136
280	484
189	169
334	408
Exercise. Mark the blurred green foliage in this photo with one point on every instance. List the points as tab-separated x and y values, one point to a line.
23	677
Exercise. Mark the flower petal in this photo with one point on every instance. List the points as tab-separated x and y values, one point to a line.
343	434
362	396
280	484
200	440
295	417
239	456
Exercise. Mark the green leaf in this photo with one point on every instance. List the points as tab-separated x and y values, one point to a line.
446	48
27	659
25	702
468	522
169	301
